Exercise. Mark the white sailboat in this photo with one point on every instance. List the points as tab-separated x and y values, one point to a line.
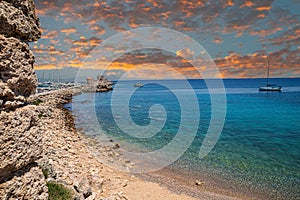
270	87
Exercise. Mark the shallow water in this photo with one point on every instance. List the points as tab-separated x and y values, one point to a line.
258	150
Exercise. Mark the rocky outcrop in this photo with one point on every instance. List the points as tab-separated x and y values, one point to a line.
21	138
67	159
26	183
18	26
103	85
17	78
18	20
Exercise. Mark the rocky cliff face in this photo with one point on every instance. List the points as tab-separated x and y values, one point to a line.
18	26
18	20
20	132
17	78
22	140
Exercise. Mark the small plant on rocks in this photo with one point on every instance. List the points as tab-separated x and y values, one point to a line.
58	192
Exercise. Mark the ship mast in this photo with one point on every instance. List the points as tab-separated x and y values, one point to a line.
268	72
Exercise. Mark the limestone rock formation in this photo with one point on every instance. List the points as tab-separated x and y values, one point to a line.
18	26
26	183
17	78
21	139
20	132
18	19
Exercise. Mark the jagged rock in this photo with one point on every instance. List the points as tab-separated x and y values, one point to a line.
84	187
18	19
20	134
17	78
21	139
92	197
47	168
199	183
27	183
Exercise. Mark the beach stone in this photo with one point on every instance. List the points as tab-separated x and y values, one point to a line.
116	146
18	19
199	183
92	197
20	139
27	183
84	187
17	78
48	168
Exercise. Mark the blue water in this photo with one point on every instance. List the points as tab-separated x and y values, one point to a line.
259	147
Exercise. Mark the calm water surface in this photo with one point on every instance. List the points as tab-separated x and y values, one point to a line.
258	150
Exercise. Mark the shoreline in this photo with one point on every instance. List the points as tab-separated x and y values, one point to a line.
76	156
68	161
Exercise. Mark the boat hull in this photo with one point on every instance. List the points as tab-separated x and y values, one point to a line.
271	89
138	85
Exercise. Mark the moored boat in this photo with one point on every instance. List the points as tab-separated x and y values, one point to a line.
270	87
138	85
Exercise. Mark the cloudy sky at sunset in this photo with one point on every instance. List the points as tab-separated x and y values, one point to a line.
237	34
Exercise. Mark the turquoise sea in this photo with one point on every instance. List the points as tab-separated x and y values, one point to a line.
258	151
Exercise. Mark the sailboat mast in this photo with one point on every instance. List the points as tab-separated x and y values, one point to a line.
268	73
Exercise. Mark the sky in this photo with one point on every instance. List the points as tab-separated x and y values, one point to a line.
238	35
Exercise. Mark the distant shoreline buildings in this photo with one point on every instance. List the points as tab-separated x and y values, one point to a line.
91	85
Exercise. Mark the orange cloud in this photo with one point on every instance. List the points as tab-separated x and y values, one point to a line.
81	42
98	29
264	8
283	63
230	3
218	40
50	34
155	3
40	12
191	4
266	32
45	66
77	65
247	4
261	15
185	53
68	31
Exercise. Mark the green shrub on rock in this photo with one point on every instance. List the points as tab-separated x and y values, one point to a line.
58	192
